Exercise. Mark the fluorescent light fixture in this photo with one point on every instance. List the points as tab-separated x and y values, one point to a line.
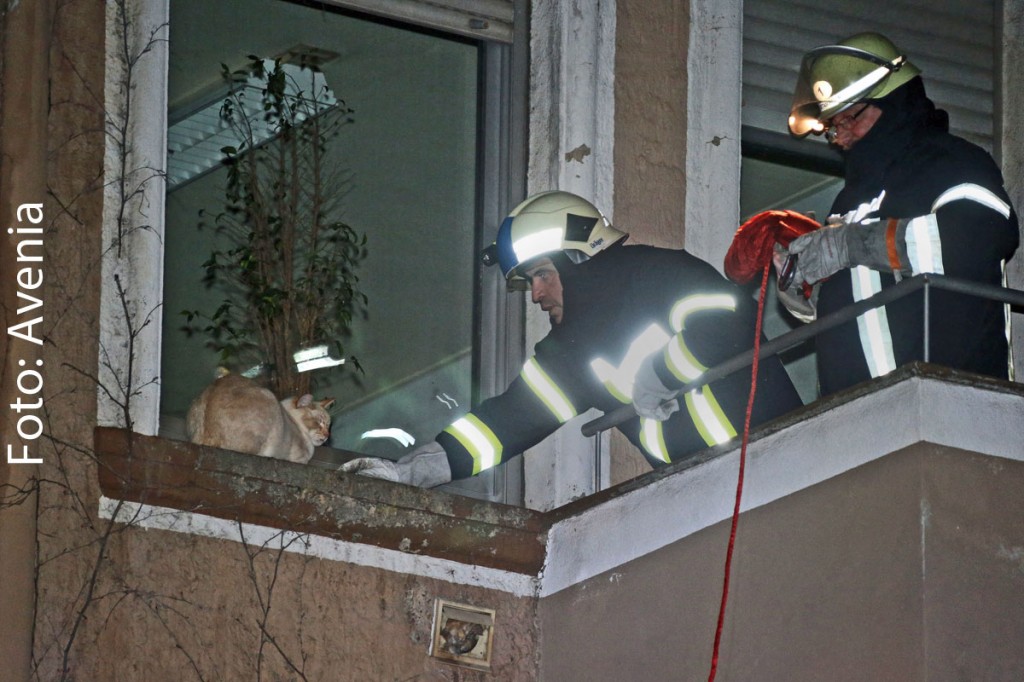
316	357
195	140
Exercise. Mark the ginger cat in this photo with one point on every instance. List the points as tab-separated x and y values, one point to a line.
236	413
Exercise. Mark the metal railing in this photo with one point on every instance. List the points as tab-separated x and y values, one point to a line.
793	338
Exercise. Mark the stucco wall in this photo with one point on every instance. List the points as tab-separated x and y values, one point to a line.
651	41
893	571
201	602
650	119
54	144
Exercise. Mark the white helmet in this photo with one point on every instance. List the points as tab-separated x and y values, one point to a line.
549	223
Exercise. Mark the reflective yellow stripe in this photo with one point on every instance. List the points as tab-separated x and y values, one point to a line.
679	359
681	362
652	438
875	337
619	380
692	304
547	391
478	439
709	417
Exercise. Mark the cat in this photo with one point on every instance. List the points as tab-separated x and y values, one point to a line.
461	637
236	413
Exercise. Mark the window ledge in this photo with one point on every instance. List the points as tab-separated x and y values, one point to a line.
273	493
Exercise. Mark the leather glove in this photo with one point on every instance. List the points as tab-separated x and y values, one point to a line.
425	467
822	253
796	299
799	307
651	398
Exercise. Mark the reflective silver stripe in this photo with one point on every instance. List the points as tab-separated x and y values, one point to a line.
989	199
547	391
972	192
924	246
875	337
619	380
1006	320
532	245
478	439
863	84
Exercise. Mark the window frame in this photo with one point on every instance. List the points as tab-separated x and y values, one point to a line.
132	290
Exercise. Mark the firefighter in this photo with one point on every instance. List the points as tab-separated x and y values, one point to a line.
628	324
916	200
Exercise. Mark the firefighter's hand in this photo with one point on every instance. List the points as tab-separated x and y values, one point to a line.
372	467
651	398
822	253
801	308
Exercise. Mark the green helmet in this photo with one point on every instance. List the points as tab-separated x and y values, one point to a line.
835	77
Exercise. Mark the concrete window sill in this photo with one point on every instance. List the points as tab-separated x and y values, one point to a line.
272	493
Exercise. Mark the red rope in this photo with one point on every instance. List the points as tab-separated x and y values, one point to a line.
739	483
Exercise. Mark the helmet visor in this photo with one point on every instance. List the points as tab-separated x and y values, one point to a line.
831	80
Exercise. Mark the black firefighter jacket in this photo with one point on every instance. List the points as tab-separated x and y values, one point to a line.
909	166
620	306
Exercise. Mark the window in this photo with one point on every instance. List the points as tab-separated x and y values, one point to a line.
429	127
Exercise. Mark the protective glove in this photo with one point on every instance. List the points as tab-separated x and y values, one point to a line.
821	253
651	398
372	467
803	309
800	301
879	245
425	467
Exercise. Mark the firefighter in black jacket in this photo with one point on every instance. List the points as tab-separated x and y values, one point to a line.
629	324
916	199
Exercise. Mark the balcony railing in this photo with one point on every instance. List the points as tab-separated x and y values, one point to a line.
793	338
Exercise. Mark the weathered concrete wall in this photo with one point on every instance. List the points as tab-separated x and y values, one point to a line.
650	119
908	568
24	64
53	141
651	41
198	609
972	515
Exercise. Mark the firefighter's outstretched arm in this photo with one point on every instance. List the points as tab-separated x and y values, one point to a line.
879	245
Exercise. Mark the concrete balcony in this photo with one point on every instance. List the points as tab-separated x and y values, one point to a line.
881	537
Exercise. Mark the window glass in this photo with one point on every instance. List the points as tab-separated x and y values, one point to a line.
410	156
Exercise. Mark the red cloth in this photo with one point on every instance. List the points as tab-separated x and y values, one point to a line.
751	248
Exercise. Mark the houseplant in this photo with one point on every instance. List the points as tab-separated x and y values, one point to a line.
288	264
